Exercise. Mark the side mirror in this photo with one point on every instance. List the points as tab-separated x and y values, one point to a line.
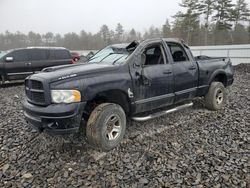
9	59
90	55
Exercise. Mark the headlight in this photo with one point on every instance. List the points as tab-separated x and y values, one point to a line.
65	96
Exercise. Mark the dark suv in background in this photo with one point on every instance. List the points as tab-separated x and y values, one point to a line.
17	64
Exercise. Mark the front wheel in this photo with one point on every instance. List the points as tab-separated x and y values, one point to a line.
106	126
216	96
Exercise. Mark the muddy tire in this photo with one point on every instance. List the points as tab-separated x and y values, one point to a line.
216	96
106	126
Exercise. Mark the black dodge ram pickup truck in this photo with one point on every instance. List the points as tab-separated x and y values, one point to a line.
121	82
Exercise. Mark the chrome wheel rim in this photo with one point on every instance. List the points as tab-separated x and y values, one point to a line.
114	127
219	96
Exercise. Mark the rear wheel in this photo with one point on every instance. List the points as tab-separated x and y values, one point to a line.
216	96
106	126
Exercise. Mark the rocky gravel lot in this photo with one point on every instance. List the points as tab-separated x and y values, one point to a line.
191	148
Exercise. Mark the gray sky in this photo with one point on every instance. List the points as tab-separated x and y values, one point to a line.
62	16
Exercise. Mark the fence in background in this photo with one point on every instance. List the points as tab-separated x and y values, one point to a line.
237	53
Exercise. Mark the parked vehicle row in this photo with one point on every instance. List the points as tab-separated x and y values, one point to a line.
75	56
17	64
121	82
81	58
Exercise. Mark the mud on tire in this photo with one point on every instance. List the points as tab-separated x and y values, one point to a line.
106	126
216	96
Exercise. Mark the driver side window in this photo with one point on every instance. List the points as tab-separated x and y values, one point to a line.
154	55
19	55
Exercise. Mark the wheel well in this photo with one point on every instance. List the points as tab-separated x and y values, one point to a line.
110	96
221	78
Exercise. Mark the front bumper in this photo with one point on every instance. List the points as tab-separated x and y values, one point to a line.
55	118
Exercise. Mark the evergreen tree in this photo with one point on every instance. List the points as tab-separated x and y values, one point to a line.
223	18
206	8
58	39
190	18
48	38
166	29
105	33
112	37
248	29
178	29
132	35
119	32
71	41
240	34
34	39
240	12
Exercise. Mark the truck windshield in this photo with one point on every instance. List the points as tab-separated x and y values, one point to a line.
110	55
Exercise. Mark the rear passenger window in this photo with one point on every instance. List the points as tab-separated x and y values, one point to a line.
62	54
51	54
178	53
38	54
19	55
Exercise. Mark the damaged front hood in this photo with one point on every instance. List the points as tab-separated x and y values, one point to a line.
64	72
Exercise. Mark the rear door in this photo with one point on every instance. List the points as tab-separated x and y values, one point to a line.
61	57
20	67
185	72
39	59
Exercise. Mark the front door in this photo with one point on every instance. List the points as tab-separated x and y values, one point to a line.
20	67
153	83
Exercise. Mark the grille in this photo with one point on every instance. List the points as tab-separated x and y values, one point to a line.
35	92
36	85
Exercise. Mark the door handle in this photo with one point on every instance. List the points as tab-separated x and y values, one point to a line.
27	64
192	68
167	72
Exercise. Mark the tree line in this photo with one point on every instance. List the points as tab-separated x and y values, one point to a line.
201	22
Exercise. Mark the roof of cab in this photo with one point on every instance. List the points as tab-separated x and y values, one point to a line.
124	45
177	40
136	43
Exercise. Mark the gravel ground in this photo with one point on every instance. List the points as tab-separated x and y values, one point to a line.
192	148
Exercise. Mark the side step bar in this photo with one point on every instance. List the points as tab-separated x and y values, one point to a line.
158	114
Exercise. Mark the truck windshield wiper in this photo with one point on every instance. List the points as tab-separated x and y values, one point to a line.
93	58
107	56
117	60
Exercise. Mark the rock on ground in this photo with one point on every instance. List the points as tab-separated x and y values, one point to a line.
195	147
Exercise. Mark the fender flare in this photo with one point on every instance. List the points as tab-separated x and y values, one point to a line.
216	73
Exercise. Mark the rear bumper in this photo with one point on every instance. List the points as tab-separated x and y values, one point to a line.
55	118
